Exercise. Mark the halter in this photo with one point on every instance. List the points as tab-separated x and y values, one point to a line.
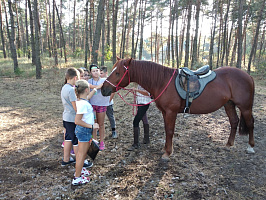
117	86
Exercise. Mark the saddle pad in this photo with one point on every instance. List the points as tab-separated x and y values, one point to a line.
203	82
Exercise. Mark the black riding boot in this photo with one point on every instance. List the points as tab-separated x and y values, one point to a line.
136	139
146	139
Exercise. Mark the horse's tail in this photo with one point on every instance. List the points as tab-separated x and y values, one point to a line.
243	128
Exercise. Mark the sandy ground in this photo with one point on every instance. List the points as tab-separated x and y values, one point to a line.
201	167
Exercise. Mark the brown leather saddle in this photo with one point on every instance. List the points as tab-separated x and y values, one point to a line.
190	84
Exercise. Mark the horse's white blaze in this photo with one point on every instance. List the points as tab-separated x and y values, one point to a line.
112	71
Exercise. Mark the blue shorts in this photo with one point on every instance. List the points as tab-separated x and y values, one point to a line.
83	134
70	132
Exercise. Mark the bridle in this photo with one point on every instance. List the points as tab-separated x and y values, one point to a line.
130	90
117	85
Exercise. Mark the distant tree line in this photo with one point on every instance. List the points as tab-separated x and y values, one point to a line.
100	30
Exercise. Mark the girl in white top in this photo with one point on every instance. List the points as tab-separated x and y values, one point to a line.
84	121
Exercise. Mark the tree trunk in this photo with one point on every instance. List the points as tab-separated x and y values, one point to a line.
54	37
62	34
181	39
229	45
103	39
12	38
239	46
47	29
225	41
32	35
212	38
176	36
139	22
91	22
156	38
256	35
74	28
151	37
108	24
37	41
2	34
97	33
142	30
262	41
234	48
87	35
115	11
125	30
133	28
169	33
18	27
188	34
195	41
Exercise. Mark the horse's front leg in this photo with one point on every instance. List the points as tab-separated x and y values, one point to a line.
169	125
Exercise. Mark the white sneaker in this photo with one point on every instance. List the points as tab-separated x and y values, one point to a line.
84	172
80	180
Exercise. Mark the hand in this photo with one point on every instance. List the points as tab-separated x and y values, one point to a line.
95	126
99	86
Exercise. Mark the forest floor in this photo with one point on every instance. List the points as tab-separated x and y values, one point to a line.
201	167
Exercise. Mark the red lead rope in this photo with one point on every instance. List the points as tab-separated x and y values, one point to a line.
134	93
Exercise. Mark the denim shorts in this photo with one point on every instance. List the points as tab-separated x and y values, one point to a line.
83	134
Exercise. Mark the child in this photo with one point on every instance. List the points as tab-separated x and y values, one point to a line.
143	98
84	121
68	97
99	103
109	111
84	74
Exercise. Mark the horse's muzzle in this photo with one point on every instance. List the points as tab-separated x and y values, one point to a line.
106	91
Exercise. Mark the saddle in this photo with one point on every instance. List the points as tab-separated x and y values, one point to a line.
190	84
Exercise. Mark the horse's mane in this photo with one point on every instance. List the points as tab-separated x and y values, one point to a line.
149	74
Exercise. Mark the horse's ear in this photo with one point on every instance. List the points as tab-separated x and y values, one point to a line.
128	61
117	58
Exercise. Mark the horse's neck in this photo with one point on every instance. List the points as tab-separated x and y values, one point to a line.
143	79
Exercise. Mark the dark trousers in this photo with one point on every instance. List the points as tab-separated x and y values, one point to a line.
141	115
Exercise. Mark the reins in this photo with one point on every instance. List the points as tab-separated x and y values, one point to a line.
134	92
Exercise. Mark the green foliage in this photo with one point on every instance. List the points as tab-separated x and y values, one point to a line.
108	53
78	52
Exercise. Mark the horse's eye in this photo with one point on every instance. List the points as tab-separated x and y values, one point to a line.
117	73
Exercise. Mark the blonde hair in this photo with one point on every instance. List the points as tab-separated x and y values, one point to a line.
81	86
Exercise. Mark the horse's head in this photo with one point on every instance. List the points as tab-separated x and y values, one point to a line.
118	78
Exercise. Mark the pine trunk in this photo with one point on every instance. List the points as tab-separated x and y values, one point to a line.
54	36
12	38
2	34
188	34
37	41
97	33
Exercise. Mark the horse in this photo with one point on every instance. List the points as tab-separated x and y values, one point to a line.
231	88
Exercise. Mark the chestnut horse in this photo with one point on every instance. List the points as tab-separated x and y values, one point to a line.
232	87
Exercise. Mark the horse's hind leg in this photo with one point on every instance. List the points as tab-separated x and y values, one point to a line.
230	110
246	125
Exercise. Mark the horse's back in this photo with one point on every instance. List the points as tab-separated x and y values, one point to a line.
241	84
230	84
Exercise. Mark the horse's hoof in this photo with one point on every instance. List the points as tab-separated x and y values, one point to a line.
250	150
229	144
165	158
